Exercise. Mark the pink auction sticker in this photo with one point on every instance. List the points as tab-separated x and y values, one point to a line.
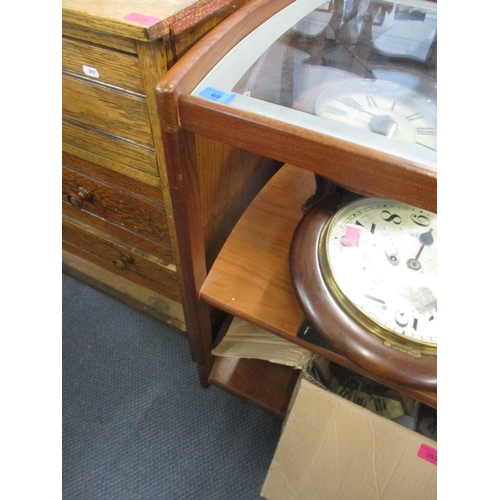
141	19
351	236
428	453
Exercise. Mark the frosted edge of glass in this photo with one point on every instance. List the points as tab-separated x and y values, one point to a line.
231	68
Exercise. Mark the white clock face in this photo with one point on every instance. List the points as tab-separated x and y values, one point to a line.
381	257
384	108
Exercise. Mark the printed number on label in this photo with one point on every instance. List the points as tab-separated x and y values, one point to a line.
90	71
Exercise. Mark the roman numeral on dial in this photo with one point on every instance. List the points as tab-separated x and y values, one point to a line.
335	111
425	131
351	102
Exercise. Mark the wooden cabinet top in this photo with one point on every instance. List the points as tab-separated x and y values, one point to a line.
138	19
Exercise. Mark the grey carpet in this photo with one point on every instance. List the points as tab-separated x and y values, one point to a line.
137	424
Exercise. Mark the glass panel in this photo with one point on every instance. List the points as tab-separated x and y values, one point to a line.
361	70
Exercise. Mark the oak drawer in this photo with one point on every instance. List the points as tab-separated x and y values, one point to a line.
140	298
117	206
98	37
118	179
115	232
102	65
112	112
120	258
111	152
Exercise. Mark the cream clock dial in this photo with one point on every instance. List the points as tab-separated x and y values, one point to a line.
382	107
379	259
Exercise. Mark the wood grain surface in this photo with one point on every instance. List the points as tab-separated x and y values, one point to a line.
117	206
112	67
111	152
120	257
141	19
105	109
250	277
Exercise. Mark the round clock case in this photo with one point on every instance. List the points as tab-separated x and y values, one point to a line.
381	107
344	321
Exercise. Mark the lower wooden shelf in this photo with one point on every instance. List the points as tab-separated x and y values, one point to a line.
266	385
250	278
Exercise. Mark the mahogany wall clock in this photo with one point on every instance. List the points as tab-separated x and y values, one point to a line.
364	272
366	276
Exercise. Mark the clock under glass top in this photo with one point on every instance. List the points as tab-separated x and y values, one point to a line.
363	71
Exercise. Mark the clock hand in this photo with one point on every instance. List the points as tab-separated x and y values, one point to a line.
382	125
392	258
426	239
385	244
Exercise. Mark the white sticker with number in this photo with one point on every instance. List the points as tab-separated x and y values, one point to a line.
91	71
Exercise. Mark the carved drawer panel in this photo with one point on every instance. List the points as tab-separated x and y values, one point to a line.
120	257
102	65
118	178
129	212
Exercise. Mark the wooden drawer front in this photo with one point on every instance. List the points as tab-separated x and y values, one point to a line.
110	111
111	152
115	232
118	179
102	65
116	206
101	38
120	258
140	298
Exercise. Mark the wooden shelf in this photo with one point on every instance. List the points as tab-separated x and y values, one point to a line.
250	278
266	385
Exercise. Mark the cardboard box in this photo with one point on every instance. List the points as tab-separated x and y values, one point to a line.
332	449
244	340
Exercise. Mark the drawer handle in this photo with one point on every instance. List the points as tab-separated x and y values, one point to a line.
121	262
81	196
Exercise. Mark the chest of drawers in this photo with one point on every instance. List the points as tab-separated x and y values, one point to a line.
118	229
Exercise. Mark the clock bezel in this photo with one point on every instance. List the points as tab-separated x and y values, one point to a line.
397	340
402	97
346	335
